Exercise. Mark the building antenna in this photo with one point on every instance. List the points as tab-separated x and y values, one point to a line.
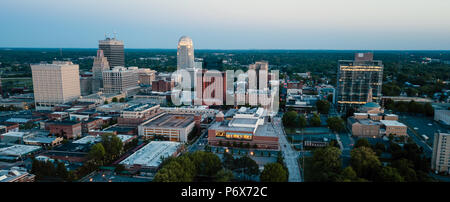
115	35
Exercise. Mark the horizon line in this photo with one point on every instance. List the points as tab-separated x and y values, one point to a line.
243	49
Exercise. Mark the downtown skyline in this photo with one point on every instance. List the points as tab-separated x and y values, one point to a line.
322	25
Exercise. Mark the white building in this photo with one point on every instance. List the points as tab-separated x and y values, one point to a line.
151	155
55	83
442	116
120	80
185	53
440	160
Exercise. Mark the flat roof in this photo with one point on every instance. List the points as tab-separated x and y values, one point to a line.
171	121
18	150
150	155
139	107
97	138
392	123
244	121
224	126
14	134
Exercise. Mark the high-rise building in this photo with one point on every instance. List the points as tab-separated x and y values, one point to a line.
185	53
357	80
113	51
261	69
55	83
440	160
100	64
211	88
120	80
186	61
86	84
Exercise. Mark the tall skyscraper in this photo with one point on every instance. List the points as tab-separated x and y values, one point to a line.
185	53
120	80
186	61
113	51
100	64
440	160
357	80
261	69
55	83
211	88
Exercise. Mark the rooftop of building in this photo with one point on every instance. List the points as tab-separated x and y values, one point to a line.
90	139
66	123
371	105
14	134
40	139
17	150
151	154
171	121
224	125
139	107
243	121
392	123
12	174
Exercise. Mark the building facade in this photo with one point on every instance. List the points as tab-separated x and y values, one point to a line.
113	51
170	127
440	159
100	64
119	80
185	53
55	83
356	78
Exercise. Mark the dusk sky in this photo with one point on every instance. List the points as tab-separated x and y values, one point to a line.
229	24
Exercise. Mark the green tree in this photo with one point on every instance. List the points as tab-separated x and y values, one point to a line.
97	152
336	124
273	172
362	142
405	168
289	118
114	99
173	172
113	146
315	120
323	106
365	162
122	99
246	166
301	121
348	175
224	175
429	110
61	170
389	174
206	163
326	164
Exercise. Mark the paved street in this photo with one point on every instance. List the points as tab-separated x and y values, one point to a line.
289	153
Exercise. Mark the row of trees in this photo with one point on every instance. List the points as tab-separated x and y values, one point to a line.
206	166
410	107
292	119
192	167
51	171
407	164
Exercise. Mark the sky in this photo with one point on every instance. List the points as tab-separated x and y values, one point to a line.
229	24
